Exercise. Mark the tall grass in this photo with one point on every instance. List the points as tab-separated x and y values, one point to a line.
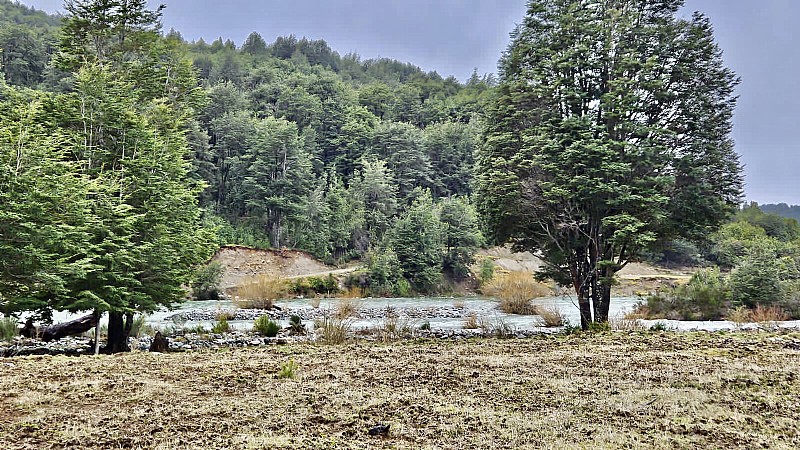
346	308
260	292
768	316
550	316
332	330
515	290
9	328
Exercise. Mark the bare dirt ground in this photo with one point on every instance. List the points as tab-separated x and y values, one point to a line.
242	263
614	390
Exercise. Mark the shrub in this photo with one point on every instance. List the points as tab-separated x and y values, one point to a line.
206	281
288	370
550	316
9	328
332	330
486	271
515	291
704	297
260	292
660	326
757	281
471	322
222	325
739	316
394	327
626	323
426	326
768	316
296	325
347	308
266	326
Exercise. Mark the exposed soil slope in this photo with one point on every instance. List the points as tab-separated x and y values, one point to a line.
241	263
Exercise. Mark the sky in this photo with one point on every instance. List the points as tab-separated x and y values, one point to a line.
759	39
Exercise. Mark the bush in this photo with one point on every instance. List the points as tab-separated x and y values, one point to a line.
515	291
296	325
757	281
768	316
313	286
486	271
471	322
206	282
331	330
705	297
9	328
288	370
266	326
346	308
550	316
222	325
260	292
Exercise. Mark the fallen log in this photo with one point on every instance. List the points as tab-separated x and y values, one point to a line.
73	327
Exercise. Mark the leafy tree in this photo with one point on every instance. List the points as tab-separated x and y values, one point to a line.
401	146
418	240
462	237
375	193
22	56
610	130
451	149
255	44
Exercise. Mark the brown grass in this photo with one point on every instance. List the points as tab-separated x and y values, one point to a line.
471	322
260	292
515	290
739	316
347	307
551	316
627	322
663	391
768	316
353	292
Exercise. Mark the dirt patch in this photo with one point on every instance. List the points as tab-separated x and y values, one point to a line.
617	390
241	263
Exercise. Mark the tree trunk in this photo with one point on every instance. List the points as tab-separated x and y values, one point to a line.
77	326
603	303
582	291
119	327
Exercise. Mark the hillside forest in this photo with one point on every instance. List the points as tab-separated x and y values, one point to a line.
129	155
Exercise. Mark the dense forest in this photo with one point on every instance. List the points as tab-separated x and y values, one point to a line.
129	155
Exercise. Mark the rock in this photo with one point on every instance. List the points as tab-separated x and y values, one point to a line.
379	430
160	343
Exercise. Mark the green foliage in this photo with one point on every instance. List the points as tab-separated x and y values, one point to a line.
288	370
417	239
462	237
704	297
9	328
487	267
757	281
221	326
332	330
205	285
311	286
266	326
581	165
296	325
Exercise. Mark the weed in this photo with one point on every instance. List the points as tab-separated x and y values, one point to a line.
458	304
471	322
346	308
515	291
426	326
197	329
394	327
599	327
222	325
550	315
332	330
8	328
288	370
296	325
739	316
260	292
266	326
626	323
660	326
768	316
353	292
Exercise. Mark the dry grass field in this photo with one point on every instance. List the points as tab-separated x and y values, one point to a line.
613	390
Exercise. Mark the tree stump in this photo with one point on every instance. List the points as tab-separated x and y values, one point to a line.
160	343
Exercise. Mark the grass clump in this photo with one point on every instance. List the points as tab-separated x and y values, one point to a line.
296	325
8	329
332	330
222	325
266	326
768	316
347	308
471	322
515	290
288	370
550	316
261	292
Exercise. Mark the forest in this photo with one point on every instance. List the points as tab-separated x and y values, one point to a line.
130	155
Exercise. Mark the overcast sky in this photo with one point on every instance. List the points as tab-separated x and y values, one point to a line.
760	39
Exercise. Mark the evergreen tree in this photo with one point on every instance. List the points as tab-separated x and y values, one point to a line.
609	133
417	240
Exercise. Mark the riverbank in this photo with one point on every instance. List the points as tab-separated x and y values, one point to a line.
611	390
